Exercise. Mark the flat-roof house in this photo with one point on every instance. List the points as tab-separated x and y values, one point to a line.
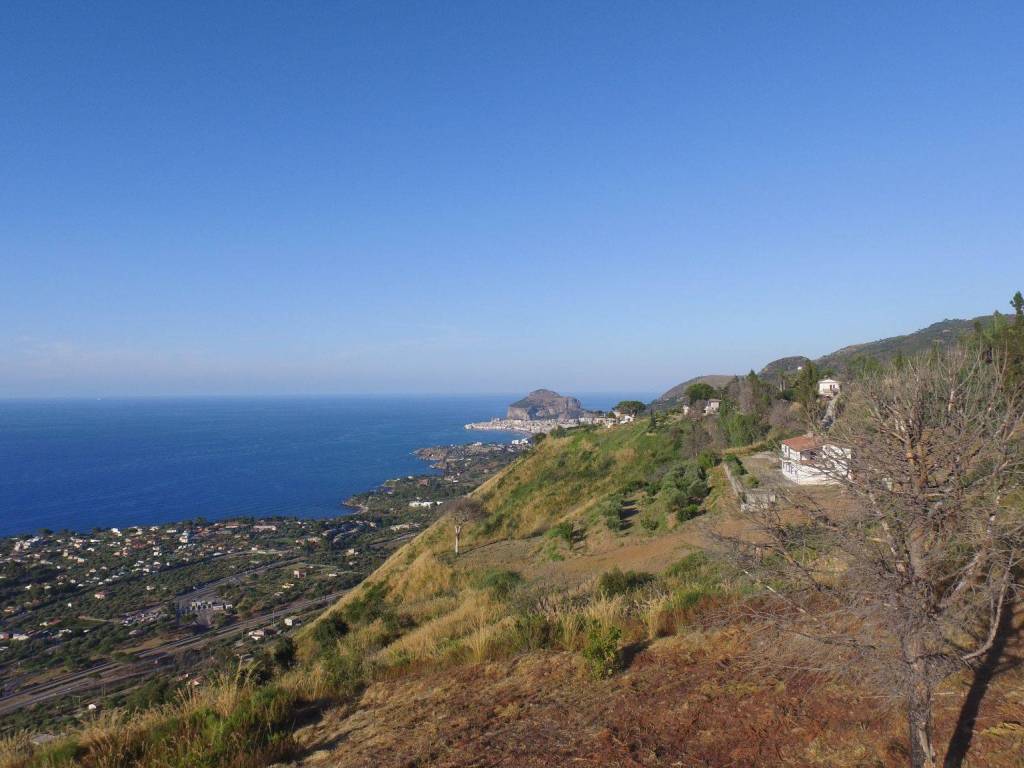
712	406
810	460
829	387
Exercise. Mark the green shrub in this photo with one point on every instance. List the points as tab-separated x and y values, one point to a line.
688	512
609	511
499	583
619	582
708	459
700	390
63	753
632	486
283	652
329	630
649	523
152	693
613	520
601	650
370	604
345	672
562	530
692	565
735	464
532	631
697	491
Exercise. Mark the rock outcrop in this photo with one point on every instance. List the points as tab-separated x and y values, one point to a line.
545	404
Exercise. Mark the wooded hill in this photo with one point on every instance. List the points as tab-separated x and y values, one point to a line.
944	333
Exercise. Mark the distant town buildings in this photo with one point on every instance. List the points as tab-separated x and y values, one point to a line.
543	426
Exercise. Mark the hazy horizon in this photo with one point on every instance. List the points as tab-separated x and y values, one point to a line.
402	198
324	395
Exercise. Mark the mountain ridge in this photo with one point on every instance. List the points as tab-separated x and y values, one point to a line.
943	333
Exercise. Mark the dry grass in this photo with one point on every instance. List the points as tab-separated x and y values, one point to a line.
439	638
229	722
425	577
659	618
15	749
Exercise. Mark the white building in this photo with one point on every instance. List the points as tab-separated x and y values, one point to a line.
809	460
828	388
712	406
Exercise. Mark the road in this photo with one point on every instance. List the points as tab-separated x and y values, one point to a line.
114	673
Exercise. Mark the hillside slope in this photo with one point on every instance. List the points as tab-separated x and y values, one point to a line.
944	333
497	666
586	622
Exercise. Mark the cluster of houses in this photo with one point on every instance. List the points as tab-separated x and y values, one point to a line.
538	426
814	460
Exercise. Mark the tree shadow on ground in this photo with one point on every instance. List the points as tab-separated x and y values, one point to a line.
995	662
630	652
628	511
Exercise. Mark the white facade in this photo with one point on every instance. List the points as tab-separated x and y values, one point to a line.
810	461
712	406
828	387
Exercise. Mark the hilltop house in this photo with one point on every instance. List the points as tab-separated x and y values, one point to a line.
809	460
712	406
828	388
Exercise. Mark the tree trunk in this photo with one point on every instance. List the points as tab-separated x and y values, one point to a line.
919	720
458	531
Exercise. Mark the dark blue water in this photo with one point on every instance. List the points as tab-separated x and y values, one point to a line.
79	464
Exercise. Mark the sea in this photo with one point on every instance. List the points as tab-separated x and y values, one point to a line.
84	464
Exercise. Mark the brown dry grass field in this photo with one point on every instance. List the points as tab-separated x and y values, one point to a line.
683	701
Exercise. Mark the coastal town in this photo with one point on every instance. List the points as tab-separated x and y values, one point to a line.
543	411
86	619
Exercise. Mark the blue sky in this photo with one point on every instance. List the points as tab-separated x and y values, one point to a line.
490	197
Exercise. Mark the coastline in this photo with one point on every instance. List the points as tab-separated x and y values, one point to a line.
216	459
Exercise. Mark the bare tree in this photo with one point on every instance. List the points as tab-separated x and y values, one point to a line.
463	511
907	576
